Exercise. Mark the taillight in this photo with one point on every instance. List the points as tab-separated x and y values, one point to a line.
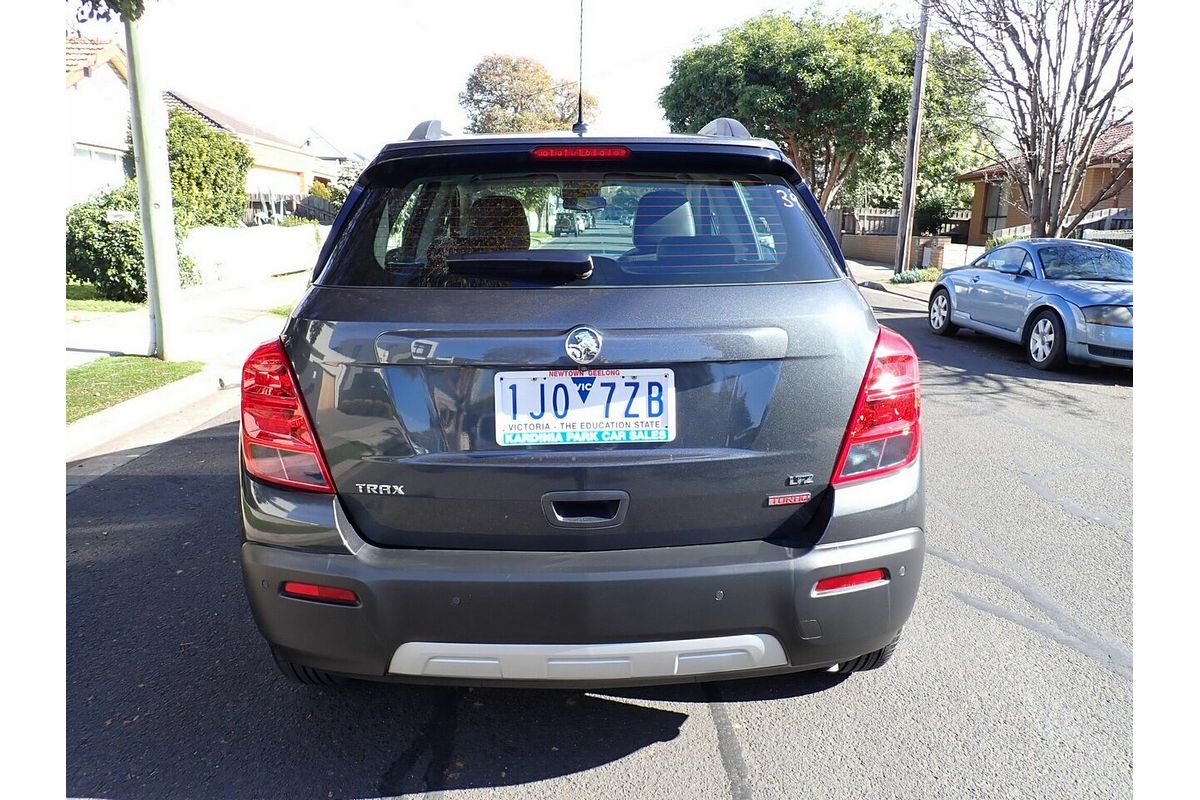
579	152
279	444
885	429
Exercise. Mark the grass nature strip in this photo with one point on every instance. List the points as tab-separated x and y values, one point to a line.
110	380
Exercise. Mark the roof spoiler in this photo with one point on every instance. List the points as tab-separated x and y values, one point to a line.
429	129
726	127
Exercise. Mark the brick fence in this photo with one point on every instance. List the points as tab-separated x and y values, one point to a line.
883	248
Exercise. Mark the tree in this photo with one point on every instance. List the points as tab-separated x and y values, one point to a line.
1056	72
348	174
512	94
950	143
824	89
104	9
208	172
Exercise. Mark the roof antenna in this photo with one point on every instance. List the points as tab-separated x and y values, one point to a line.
580	127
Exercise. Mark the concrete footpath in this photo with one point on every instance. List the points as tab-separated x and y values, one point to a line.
218	325
875	275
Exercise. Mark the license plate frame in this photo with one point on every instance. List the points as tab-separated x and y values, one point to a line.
593	412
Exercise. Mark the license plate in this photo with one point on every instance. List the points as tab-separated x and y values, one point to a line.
599	406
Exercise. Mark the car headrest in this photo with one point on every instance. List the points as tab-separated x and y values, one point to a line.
498	223
659	214
696	251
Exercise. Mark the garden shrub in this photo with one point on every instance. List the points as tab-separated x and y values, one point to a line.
928	274
321	190
109	255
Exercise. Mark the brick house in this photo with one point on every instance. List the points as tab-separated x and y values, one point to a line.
996	203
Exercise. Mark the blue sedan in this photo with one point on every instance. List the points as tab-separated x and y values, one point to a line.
1064	300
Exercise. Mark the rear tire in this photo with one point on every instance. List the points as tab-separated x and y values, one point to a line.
1046	341
873	660
309	676
939	314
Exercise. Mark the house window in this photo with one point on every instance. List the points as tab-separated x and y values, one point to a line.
994	212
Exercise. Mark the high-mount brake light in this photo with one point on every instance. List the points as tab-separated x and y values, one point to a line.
884	434
579	152
279	444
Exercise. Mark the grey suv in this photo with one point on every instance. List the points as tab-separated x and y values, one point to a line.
666	452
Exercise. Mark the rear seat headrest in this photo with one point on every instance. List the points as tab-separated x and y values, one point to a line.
661	213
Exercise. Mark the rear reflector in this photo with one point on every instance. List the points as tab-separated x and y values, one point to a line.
855	579
325	594
885	429
579	153
279	444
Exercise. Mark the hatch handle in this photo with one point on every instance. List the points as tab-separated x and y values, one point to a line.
585	509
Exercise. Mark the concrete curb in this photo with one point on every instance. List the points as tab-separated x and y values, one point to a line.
897	289
95	434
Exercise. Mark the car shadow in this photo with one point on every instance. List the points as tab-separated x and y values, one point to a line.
171	691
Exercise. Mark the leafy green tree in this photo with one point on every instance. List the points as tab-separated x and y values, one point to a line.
339	190
208	172
950	143
513	94
827	89
104	9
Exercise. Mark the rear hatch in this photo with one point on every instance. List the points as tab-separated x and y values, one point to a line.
477	382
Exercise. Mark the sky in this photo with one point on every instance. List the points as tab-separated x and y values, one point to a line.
365	72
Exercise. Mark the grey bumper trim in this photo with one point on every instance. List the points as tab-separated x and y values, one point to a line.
574	662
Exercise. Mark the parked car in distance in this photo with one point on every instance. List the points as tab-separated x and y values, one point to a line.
1063	300
665	454
567	224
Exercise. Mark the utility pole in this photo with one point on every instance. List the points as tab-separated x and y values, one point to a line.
908	193
148	123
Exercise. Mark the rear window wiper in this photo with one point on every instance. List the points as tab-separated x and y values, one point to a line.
545	264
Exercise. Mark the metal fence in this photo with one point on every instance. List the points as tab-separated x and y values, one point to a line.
317	208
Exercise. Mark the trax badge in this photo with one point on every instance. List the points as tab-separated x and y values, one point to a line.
583	345
379	488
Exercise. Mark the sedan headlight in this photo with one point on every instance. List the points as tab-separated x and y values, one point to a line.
1120	316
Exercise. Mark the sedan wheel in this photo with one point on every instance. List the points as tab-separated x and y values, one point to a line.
1046	347
939	314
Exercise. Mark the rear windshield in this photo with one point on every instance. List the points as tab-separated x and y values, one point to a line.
526	230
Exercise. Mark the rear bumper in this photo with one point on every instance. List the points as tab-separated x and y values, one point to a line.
597	618
621	597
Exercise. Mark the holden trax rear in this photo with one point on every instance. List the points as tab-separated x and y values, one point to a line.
677	449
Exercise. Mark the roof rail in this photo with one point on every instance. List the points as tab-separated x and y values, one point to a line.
727	127
429	129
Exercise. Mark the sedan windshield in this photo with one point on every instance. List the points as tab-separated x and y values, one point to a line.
1077	262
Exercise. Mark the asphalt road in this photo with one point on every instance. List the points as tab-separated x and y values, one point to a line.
1014	678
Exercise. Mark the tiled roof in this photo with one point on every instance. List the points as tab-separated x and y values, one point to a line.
1114	144
85	54
220	120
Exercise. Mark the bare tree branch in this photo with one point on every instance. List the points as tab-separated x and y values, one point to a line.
1055	72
